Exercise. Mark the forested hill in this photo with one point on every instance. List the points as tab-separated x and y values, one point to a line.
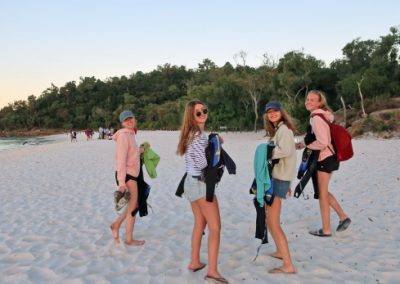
235	95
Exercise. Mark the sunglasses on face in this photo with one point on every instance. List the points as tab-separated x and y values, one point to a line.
199	113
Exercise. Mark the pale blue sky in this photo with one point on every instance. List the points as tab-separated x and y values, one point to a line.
56	41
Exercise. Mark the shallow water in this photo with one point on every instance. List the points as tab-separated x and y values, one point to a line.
19	142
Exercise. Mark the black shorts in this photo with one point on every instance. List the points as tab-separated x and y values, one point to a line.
128	177
328	164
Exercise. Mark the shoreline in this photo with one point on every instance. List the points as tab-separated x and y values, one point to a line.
35	132
42	132
14	143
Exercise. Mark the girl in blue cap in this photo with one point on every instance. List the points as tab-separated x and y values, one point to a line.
127	157
280	128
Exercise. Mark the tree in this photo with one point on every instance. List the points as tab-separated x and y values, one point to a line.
294	71
255	83
361	96
207	64
372	65
368	70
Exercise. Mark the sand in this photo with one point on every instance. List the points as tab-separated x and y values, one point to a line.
56	205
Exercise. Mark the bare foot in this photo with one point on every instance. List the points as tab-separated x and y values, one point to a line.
135	242
115	233
282	270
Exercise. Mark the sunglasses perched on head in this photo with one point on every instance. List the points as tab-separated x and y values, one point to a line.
199	113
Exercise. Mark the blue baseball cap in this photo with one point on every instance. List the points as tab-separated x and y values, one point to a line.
125	114
274	105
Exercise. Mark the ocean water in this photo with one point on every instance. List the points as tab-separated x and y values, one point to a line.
14	143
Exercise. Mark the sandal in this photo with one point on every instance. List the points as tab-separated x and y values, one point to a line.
117	196
320	233
202	265
343	225
216	280
123	201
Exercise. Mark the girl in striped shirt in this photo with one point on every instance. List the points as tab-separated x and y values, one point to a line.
192	144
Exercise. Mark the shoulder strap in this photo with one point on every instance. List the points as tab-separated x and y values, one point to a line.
321	116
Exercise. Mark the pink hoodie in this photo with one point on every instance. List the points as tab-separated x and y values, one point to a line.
322	133
126	155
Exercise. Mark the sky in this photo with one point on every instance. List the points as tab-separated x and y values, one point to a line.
45	42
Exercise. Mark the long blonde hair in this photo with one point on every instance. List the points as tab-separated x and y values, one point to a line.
322	99
189	127
270	129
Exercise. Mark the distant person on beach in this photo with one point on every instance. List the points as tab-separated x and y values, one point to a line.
88	133
280	128
100	132
318	137
107	134
111	133
128	166
192	144
73	136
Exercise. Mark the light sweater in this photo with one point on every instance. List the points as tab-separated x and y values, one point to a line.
127	155
285	151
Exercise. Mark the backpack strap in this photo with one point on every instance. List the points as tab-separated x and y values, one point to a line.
329	124
321	116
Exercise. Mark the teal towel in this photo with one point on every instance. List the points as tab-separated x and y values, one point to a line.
261	172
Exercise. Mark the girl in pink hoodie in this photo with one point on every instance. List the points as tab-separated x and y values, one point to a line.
316	104
127	158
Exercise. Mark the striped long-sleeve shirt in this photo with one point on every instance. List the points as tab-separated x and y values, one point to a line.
195	156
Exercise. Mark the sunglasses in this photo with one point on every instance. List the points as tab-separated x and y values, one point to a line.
199	113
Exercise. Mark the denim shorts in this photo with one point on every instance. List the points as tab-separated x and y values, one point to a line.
194	189
281	187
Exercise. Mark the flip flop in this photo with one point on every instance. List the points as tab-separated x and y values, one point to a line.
343	225
117	196
320	233
280	270
123	201
198	268
275	256
216	280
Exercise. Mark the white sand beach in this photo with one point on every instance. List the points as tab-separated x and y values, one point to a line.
56	205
